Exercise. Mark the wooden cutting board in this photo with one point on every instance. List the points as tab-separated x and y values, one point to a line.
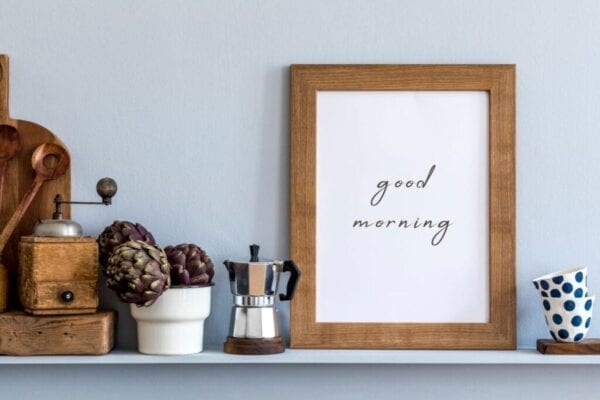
18	178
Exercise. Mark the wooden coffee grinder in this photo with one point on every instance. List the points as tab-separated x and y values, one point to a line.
58	266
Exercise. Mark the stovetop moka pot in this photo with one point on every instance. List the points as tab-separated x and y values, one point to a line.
254	285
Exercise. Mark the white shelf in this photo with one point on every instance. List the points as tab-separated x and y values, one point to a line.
215	356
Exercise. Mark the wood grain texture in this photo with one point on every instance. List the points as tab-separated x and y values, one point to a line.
243	346
5	118
499	82
587	346
50	266
10	141
18	178
3	288
25	335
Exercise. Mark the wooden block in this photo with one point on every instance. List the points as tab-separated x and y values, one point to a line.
587	346
53	266
241	346
25	335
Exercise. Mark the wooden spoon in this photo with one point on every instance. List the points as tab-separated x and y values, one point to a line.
10	140
49	161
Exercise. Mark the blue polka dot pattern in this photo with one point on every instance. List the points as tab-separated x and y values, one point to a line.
545	285
569	305
567	288
558	280
546	305
557	319
563	334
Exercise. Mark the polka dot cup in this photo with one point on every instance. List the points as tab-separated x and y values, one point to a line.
568	319
566	284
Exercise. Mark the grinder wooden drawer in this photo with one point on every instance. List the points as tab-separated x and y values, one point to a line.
43	298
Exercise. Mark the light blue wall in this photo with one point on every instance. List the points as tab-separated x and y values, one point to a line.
185	104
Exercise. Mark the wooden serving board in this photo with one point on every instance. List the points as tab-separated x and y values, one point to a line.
27	335
587	346
18	178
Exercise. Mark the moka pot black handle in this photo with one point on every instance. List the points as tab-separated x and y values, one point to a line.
291	267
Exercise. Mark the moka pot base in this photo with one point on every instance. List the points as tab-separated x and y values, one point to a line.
254	327
245	346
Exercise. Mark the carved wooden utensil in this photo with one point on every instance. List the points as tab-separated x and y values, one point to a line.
10	141
49	161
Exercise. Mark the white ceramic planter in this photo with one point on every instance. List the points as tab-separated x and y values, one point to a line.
174	324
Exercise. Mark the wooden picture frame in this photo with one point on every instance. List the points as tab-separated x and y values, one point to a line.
498	81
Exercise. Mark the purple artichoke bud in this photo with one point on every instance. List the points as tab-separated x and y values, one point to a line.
139	272
118	233
190	265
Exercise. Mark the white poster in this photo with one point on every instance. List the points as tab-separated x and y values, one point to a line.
402	206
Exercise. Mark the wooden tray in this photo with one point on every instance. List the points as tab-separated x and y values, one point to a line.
18	178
